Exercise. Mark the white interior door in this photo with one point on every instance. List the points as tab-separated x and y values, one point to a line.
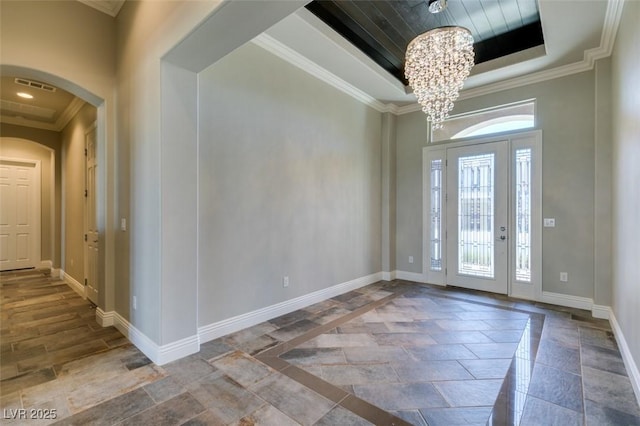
91	234
19	214
477	216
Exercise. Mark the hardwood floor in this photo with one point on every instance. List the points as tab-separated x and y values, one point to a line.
45	325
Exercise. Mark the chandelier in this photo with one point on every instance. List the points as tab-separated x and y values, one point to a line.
437	63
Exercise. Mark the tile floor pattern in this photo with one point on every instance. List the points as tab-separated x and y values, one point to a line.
389	353
420	357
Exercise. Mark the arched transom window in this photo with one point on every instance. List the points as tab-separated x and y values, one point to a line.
491	121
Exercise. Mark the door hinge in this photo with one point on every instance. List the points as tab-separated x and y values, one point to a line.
86	153
85	237
85	281
86	193
445	271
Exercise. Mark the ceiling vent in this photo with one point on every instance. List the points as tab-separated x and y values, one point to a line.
35	84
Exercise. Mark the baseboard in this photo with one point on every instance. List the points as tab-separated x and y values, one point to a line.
162	354
601	311
629	363
135	336
158	354
105	319
389	276
176	350
240	322
75	285
410	276
567	300
597	311
47	264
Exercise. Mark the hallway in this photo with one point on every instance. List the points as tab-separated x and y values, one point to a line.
389	353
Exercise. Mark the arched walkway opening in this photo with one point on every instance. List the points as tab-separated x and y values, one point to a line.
63	203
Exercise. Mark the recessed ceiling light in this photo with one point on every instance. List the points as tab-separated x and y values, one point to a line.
25	95
437	6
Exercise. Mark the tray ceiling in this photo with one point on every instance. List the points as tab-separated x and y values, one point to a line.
382	29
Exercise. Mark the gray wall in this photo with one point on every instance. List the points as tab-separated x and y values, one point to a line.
289	184
389	132
144	34
161	48
603	186
566	114
626	177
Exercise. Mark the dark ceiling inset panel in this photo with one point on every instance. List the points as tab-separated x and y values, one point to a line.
382	29
513	41
346	26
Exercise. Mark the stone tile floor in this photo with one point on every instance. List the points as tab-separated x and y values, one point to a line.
389	353
420	357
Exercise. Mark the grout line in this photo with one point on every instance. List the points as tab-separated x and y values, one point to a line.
356	405
348	401
370	412
323	328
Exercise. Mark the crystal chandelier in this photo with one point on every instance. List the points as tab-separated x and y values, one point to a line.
437	63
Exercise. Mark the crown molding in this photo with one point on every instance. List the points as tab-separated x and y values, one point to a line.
337	40
70	112
607	40
110	7
407	109
28	123
66	116
286	53
611	25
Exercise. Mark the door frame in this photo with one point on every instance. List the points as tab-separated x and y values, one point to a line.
36	199
498	281
92	128
516	140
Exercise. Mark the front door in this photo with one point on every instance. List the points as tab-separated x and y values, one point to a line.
91	234
477	216
19	214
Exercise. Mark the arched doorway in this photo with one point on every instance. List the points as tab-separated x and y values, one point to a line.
93	115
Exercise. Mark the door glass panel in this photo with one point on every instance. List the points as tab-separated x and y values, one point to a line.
436	215
476	215
523	215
